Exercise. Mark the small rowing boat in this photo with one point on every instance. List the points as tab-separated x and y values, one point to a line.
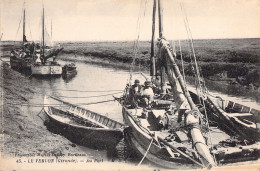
69	71
80	125
239	120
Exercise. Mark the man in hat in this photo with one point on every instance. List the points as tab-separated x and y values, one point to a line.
134	93
147	93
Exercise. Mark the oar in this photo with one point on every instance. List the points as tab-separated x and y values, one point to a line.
183	154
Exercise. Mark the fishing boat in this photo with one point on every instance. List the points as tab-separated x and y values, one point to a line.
69	71
238	120
45	64
80	125
177	128
22	58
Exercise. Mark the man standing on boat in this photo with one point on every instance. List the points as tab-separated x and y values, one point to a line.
134	93
147	94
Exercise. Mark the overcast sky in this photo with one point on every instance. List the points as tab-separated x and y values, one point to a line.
94	20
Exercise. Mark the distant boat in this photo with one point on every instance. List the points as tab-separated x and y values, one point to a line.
22	58
43	66
82	126
69	71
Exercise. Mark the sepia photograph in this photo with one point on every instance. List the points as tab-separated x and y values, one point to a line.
130	85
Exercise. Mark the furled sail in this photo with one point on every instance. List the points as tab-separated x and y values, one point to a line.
185	104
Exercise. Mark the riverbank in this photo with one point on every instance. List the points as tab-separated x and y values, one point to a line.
234	61
22	130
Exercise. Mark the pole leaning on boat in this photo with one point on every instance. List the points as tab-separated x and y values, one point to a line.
184	103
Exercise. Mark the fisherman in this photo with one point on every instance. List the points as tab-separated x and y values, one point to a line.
156	85
147	94
134	93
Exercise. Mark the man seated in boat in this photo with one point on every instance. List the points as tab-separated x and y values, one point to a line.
156	84
134	93
147	94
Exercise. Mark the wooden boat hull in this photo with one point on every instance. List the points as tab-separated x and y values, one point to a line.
27	63
15	62
244	124
46	70
69	74
95	138
235	119
80	130
139	140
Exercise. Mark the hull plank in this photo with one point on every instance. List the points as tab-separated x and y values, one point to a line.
46	70
74	123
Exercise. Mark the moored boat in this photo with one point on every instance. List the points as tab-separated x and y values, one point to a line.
80	125
43	66
69	71
174	128
239	120
48	69
22	58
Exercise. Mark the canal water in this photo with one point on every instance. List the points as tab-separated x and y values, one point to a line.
95	83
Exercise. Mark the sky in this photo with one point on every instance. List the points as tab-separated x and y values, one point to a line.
117	20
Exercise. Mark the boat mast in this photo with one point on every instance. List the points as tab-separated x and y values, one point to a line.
181	96
43	34
152	65
24	37
51	29
160	15
163	75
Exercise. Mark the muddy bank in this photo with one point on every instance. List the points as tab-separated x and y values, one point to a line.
22	130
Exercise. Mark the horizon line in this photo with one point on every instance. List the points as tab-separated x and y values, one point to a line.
126	40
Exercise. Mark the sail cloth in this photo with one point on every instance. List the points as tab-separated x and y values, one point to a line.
47	38
178	95
183	105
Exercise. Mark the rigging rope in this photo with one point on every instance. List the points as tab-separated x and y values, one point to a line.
145	154
197	72
92	91
183	73
139	23
91	96
18	28
55	105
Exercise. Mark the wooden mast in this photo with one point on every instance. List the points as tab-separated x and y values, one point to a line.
152	65
160	15
180	93
1	36
43	35
24	37
163	75
51	29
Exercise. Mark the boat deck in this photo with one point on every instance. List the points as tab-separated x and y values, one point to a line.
151	121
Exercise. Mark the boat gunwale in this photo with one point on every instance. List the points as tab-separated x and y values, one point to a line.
78	126
66	102
108	128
